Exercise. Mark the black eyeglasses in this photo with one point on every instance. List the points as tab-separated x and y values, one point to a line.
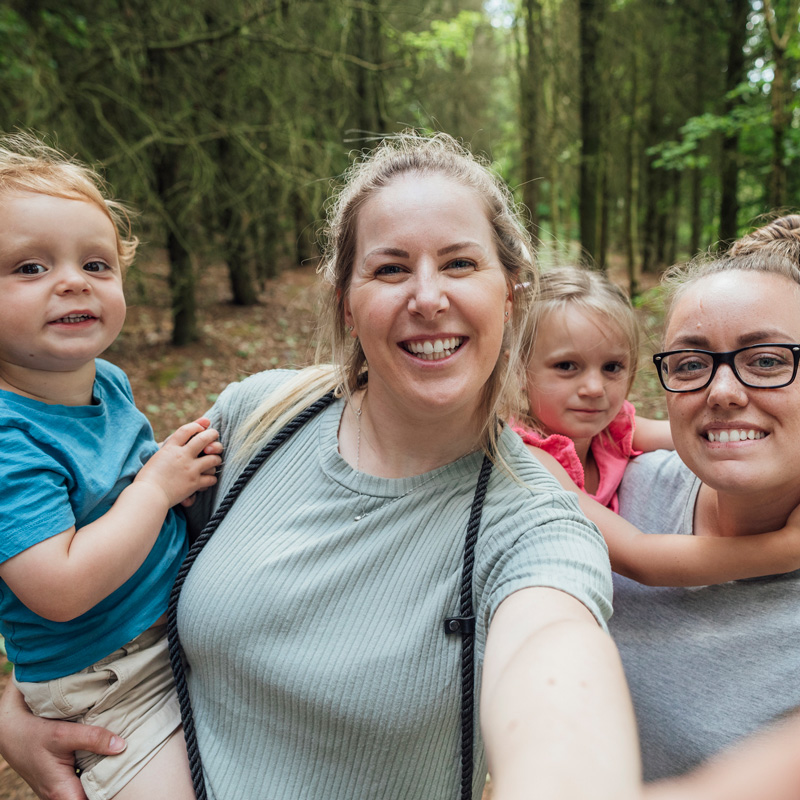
759	366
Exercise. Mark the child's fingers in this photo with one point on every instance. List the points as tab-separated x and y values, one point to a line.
203	481
199	441
186	432
214	449
207	465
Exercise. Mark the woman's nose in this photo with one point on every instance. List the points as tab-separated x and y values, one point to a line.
726	390
428	294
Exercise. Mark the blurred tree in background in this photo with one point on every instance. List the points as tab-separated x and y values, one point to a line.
644	128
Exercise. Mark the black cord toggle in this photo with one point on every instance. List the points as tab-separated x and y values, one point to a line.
459	625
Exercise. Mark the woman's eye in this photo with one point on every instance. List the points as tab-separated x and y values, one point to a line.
96	266
765	362
31	269
689	365
388	271
461	264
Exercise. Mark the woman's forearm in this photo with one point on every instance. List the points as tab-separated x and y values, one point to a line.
555	712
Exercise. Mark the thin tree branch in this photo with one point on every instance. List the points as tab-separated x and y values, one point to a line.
212	36
308	49
781	42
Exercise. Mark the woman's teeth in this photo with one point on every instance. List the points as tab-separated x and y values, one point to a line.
434	349
734	436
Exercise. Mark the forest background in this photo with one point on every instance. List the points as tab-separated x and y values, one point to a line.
649	129
636	132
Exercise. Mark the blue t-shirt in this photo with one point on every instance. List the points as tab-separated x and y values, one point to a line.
62	466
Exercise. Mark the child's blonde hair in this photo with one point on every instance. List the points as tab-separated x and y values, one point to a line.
592	293
28	165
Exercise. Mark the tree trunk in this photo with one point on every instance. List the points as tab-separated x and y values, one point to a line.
368	43
182	288
780	92
240	275
591	16
673	218
729	175
696	195
602	245
632	170
530	83
233	224
654	178
181	278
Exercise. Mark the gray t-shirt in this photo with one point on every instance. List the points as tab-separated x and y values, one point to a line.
706	665
320	666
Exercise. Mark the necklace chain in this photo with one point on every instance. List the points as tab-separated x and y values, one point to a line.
361	500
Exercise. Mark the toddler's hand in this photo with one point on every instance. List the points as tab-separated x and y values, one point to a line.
186	462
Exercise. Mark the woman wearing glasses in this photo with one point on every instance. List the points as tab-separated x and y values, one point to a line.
711	664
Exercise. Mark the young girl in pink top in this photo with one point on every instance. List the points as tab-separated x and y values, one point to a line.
583	345
582	340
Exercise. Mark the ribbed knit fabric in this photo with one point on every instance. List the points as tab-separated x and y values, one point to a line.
319	665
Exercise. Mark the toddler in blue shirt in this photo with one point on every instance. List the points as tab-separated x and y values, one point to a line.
90	541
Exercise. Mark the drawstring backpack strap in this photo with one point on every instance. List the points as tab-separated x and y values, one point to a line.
175	649
465	625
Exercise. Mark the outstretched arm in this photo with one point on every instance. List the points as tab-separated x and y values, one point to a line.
679	560
652	434
556	716
764	766
69	573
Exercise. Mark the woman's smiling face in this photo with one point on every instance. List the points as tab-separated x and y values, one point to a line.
723	312
427	295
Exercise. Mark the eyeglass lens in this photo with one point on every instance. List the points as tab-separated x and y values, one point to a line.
764	366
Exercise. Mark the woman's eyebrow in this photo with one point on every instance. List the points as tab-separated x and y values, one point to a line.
752	337
451	248
757	337
387	251
689	341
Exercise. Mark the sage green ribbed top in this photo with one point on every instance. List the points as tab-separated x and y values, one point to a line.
319	665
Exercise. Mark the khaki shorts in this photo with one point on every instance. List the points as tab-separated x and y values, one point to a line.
131	693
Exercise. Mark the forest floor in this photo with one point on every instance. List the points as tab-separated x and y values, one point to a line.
175	384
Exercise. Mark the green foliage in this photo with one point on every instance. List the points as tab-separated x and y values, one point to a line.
446	38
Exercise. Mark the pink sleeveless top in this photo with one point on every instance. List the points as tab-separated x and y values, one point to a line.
612	449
